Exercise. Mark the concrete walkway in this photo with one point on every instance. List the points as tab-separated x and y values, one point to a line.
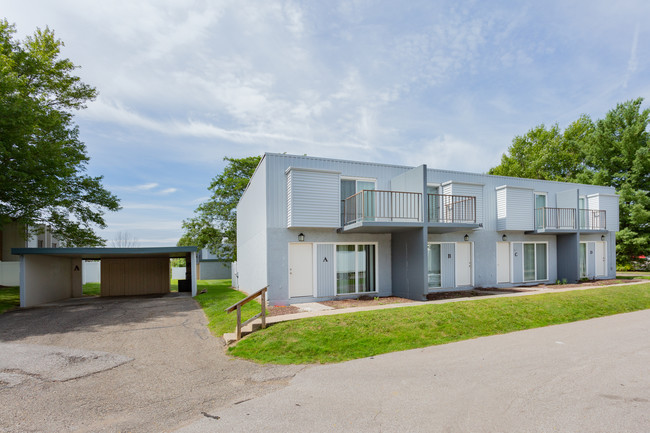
586	376
231	337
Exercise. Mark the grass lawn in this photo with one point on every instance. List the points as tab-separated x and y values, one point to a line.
9	298
357	335
219	297
633	275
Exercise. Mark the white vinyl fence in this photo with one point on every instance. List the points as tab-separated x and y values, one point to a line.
91	272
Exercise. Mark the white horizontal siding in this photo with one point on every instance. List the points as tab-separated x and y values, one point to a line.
313	199
515	208
502	202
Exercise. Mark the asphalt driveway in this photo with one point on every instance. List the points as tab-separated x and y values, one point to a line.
119	364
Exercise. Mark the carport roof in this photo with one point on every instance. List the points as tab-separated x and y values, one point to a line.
99	253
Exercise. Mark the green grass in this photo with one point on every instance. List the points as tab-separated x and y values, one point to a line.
631	275
217	299
356	335
91	289
9	298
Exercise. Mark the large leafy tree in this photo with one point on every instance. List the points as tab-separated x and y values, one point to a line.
42	160
214	225
613	151
547	153
618	154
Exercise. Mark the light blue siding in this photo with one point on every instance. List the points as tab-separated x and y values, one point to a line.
515	208
517	262
313	198
448	265
325	283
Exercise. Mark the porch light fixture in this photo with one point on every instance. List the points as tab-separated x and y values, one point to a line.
301	237
466	237
504	238
602	238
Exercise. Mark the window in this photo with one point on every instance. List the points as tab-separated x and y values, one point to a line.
356	270
583	260
40	243
433	200
433	258
362	207
535	262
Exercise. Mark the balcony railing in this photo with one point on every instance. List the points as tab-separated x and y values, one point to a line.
592	219
444	208
382	206
555	218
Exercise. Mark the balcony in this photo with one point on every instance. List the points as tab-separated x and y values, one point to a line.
554	218
374	209
564	219
444	208
592	219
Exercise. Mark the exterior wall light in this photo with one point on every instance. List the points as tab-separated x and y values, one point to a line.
504	238
301	237
466	237
602	238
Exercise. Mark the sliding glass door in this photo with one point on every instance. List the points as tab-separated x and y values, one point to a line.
356	271
535	262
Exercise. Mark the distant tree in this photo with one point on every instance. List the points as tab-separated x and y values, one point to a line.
547	154
124	240
42	160
615	151
214	225
619	155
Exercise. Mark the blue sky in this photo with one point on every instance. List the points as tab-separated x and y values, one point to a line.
446	83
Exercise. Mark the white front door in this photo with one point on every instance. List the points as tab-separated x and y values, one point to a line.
503	262
601	259
301	270
463	264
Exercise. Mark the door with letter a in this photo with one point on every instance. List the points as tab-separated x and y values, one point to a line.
301	270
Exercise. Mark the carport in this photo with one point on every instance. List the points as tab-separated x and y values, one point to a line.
53	274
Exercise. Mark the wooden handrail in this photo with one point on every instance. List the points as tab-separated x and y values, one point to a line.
237	306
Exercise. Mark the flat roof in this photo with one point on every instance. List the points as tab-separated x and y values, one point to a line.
98	253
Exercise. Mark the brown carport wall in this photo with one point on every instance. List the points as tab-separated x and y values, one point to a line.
52	274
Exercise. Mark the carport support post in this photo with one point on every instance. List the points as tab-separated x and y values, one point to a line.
193	272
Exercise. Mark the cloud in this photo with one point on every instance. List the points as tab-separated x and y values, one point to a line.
632	63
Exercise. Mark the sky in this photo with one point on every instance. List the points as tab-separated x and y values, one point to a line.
183	84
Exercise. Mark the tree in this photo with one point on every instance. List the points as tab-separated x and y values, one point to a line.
619	155
614	151
42	160
124	240
547	154
214	225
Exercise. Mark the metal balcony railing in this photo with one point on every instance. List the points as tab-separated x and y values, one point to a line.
555	218
592	219
445	208
382	206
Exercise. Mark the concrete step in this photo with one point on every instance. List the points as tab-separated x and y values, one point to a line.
231	337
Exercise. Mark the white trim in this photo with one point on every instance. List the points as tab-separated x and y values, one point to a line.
514	187
523	261
449	182
356	282
362	179
315	170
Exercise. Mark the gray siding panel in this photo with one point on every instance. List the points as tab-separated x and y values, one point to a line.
448	265
325	284
313	199
520	209
591	260
517	262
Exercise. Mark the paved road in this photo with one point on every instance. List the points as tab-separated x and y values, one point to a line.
590	376
129	364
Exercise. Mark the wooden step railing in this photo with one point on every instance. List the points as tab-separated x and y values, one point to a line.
238	305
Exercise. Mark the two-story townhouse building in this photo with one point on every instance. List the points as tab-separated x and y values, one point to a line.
14	235
316	228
